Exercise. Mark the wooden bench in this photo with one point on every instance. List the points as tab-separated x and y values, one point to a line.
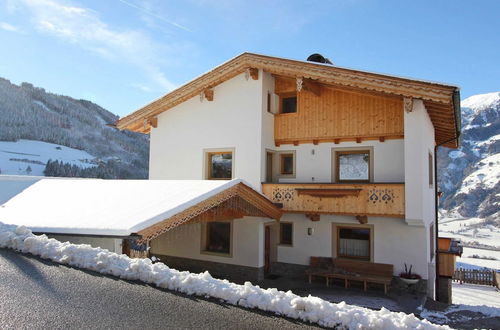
319	267
363	271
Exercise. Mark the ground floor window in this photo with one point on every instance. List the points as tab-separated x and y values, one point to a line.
218	237
286	233
353	242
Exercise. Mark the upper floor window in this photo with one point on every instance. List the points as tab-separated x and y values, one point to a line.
219	165
287	163
288	103
353	165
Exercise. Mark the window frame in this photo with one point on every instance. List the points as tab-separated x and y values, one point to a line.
205	239
286	95
208	153
346	151
370	242
431	170
281	155
281	234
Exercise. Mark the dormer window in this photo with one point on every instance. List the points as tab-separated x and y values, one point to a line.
288	103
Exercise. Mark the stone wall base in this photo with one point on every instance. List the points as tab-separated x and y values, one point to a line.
234	273
444	293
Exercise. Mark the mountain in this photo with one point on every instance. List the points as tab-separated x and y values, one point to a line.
469	176
37	126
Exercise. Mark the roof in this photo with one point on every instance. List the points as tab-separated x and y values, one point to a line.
442	101
120	207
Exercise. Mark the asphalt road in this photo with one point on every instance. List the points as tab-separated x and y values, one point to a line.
38	294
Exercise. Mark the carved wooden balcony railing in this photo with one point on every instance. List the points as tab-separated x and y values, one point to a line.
365	199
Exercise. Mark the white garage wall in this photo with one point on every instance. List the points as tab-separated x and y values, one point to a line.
185	242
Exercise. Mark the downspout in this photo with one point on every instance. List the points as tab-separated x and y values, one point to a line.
458	124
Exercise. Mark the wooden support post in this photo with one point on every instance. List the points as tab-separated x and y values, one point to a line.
254	73
153	121
209	94
358	140
363	219
381	139
313	216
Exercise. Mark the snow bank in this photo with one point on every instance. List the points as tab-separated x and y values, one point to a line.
310	309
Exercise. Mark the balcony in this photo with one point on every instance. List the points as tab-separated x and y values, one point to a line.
359	199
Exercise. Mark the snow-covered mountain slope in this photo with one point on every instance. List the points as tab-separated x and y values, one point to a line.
470	176
78	127
470	179
26	157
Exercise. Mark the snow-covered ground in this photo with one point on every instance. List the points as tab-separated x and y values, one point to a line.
470	230
15	157
470	303
476	295
309	309
485	260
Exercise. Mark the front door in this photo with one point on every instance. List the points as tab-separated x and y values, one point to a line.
267	250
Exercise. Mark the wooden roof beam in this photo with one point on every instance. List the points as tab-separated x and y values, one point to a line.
209	94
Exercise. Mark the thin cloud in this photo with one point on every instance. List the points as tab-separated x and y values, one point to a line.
9	27
83	27
152	14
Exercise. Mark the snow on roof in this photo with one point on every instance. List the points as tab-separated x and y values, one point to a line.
105	207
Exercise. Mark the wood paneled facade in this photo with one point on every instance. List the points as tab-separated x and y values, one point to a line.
370	199
333	115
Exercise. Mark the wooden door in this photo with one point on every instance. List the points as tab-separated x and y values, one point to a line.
267	250
269	167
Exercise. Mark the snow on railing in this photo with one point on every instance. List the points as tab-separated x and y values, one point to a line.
309	309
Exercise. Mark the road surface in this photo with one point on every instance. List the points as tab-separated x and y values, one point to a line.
35	293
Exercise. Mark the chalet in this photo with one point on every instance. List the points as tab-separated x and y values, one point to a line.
347	155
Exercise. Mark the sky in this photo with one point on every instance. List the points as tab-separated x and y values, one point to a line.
122	54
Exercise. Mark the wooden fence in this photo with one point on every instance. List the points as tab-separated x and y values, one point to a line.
476	276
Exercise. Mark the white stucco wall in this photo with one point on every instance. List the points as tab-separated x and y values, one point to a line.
395	242
108	243
418	143
231	120
186	241
388	160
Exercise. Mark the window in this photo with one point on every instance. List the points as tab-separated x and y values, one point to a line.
287	163
269	102
431	172
218	239
288	103
431	238
353	242
286	233
353	165
220	165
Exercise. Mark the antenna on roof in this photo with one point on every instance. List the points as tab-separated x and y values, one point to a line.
319	59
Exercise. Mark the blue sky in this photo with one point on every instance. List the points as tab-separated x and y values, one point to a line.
123	54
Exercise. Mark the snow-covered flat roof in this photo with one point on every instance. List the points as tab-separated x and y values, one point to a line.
104	207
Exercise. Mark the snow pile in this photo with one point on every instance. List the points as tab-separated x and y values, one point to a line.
311	309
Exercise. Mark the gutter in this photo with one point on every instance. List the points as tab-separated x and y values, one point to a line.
458	125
